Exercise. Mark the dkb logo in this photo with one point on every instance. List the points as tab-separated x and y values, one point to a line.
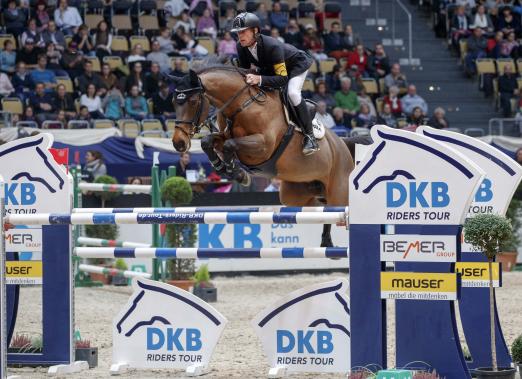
305	341
484	193
423	194
19	194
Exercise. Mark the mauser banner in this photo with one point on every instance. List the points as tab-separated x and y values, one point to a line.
24	272
418	286
476	274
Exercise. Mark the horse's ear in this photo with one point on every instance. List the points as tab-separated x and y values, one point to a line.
194	80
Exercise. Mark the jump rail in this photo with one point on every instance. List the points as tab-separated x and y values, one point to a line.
100	187
177	218
87	241
113	271
279	209
220	253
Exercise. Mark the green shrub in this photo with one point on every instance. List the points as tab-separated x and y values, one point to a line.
120	264
487	232
108	232
202	277
516	350
105	195
514	213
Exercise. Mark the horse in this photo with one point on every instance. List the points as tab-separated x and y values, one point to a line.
250	126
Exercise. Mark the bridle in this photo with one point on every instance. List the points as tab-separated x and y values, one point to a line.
209	122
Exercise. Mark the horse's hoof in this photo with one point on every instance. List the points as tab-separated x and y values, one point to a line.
245	179
327	243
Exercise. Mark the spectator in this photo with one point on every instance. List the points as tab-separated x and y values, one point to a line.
33	33
186	23
364	119
293	34
42	104
84	114
72	60
411	100
159	57
84	41
193	49
459	26
262	14
477	45
6	88
198	7
42	16
509	47
64	102
323	116
136	105
183	164
53	35
333	43
416	118
113	103
178	71
29	114
227	46
355	76
166	44
349	39
88	77
386	117
395	78
313	44
67	18
29	54
482	20
508	88
277	18
175	7
378	63
494	45
340	118
507	23
163	106
206	25
14	18
92	101
346	99
94	166
360	59
137	54
21	81
228	22
274	33
274	186
153	80
107	77
438	120
102	40
323	95
8	57
42	75
54	57
392	99
365	99
136	78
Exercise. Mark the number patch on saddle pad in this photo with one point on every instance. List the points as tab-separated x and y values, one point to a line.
319	130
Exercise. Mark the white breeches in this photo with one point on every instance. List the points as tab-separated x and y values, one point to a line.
294	88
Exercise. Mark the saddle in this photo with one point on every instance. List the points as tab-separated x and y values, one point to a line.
291	117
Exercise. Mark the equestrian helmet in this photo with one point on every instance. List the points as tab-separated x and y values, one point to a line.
244	21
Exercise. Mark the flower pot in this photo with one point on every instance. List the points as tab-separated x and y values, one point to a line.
520	370
120	280
208	294
501	373
508	260
104	279
87	354
183	284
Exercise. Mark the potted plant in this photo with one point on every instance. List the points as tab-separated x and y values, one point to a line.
486	233
203	287
516	352
508	250
177	191
22	343
120	280
105	232
106	195
84	352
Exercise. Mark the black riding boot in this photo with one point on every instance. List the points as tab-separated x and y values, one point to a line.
310	145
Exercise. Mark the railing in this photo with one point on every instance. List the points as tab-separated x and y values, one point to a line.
505	127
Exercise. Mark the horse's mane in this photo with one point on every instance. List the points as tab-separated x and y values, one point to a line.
217	63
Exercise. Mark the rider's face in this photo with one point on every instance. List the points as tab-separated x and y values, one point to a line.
246	37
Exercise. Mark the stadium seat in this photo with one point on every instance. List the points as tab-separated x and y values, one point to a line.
327	65
148	23
379	104
130	128
503	62
308	85
92	20
113	61
370	85
78	124
96	67
151	124
153	134
52	124
67	82
12	105
6	37
486	66
140	40
171	125
121	22
103	124
119	43
208	44
150	105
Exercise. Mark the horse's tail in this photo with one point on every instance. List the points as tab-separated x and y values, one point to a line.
350	142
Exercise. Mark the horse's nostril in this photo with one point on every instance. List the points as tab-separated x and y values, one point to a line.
179	146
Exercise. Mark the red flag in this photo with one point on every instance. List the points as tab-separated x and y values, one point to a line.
61	156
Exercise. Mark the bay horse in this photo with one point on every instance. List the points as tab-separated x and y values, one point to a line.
250	126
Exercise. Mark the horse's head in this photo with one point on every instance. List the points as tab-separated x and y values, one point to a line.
192	108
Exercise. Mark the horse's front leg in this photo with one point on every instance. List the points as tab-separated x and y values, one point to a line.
252	143
208	146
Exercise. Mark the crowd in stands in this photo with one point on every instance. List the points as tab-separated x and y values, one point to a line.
72	63
486	35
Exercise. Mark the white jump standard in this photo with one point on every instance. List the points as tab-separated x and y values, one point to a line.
278	209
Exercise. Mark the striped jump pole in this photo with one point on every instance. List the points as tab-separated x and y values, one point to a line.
100	187
206	253
87	241
177	218
277	209
113	271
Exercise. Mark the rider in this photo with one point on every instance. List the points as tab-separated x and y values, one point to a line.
280	64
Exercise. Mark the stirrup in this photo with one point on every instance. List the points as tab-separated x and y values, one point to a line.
309	150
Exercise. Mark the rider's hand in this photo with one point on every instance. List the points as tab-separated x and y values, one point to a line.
253	79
